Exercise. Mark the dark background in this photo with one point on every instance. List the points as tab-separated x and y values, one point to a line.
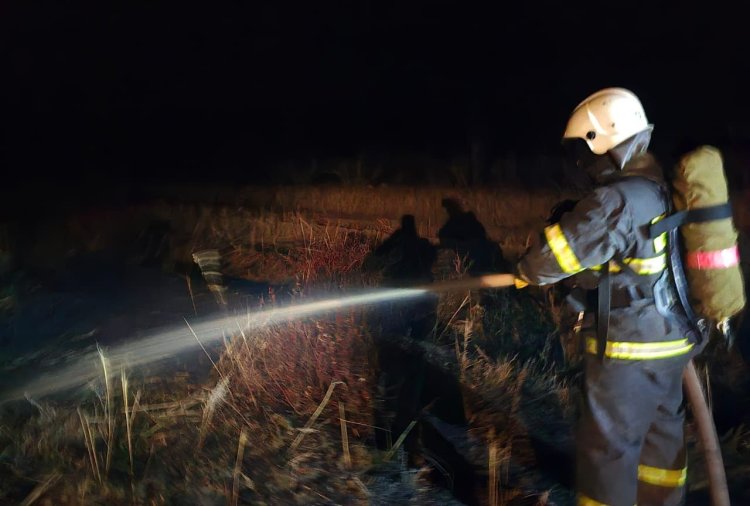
104	94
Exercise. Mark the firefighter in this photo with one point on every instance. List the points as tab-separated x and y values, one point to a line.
629	438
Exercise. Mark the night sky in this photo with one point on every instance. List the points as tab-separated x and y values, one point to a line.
134	92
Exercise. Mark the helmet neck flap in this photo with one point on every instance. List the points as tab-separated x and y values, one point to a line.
604	168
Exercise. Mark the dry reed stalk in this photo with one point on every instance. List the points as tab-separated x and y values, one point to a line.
238	467
128	426
362	486
494	482
88	440
344	436
134	410
366	425
214	399
468	331
315	415
40	489
109	439
181	405
455	313
136	405
81	489
93	448
400	440
190	291
202	347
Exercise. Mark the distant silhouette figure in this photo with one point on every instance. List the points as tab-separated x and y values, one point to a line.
404	259
465	234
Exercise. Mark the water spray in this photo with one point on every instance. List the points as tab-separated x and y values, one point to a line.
182	338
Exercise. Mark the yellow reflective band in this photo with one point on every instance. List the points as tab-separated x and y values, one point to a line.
662	477
587	501
640	351
612	267
647	266
591	345
660	242
642	266
563	253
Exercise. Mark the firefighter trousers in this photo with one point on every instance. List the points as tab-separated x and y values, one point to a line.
630	446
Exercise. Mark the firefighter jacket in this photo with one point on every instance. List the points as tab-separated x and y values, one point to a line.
611	225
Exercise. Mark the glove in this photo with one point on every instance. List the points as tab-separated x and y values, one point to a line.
520	283
559	209
519	280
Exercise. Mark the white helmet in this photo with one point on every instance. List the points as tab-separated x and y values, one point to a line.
607	118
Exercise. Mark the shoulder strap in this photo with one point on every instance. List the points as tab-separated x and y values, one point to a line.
699	215
604	293
677	277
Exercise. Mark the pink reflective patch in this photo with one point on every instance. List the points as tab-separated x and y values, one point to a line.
720	259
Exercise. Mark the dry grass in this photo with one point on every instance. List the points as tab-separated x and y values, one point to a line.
274	398
251	219
282	389
288	414
507	215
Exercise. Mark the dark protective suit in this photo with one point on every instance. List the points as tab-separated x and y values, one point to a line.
630	445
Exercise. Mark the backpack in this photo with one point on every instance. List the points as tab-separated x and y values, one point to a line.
701	238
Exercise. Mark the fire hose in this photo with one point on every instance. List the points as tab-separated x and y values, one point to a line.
717	480
692	384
